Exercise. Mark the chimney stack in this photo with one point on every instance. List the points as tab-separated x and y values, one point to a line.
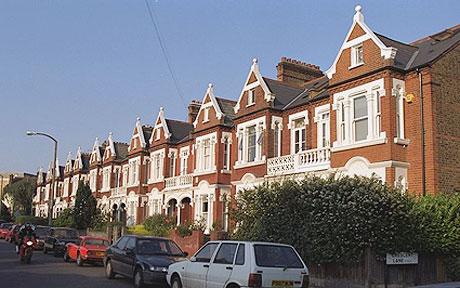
296	72
193	109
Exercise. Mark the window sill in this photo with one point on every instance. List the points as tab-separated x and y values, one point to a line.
364	143
355	66
155	181
225	171
252	104
401	141
249	164
199	173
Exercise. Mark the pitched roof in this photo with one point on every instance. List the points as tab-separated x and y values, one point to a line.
423	51
284	94
314	90
227	107
121	149
85	160
147	130
179	130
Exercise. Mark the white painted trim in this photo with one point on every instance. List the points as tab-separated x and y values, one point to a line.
260	82
213	103
249	164
364	143
297	116
385	52
163	124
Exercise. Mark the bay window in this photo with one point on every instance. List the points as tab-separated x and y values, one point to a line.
226	153
183	161
172	164
250	142
206	155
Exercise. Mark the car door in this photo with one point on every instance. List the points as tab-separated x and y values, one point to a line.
197	269
117	254
221	267
128	257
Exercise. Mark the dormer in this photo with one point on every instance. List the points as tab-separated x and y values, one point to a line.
161	130
362	51
255	92
109	150
78	164
96	153
137	141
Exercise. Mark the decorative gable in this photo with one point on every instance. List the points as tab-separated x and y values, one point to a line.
161	126
110	148
351	52
78	161
253	81
96	156
137	140
68	164
209	108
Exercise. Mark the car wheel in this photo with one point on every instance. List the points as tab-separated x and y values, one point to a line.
138	279
176	283
45	251
109	270
79	260
66	256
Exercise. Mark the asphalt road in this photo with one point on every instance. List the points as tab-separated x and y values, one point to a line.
48	271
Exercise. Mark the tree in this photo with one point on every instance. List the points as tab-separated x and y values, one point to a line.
85	211
22	193
6	215
65	219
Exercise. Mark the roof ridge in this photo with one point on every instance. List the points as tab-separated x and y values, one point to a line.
428	37
282	83
225	99
399	41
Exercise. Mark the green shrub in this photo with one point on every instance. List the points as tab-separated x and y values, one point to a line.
159	225
327	220
184	230
65	219
138	230
31	219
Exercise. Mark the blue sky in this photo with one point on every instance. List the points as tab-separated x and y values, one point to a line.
80	69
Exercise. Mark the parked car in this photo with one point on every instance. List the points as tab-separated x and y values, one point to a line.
145	259
41	232
11	236
57	239
90	250
4	229
234	264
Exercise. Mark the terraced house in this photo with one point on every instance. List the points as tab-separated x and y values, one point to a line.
384	108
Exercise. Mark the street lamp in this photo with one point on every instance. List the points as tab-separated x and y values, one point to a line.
53	172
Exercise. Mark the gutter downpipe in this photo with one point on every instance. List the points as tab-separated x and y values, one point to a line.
422	138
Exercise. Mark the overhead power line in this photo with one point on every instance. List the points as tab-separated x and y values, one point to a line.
164	52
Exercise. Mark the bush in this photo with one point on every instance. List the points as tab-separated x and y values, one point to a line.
138	230
31	219
184	230
65	219
101	221
159	225
327	220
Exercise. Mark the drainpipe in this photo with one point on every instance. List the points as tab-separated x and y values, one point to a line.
422	138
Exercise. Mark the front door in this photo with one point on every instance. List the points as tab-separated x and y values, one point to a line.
197	270
221	267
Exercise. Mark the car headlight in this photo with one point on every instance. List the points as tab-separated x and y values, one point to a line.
158	269
29	243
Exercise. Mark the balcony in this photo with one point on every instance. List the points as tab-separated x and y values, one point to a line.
310	160
118	191
177	182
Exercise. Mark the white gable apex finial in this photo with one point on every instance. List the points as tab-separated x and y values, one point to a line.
358	15
213	103
69	156
111	145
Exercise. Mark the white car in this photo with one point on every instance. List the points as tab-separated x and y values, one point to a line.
235	264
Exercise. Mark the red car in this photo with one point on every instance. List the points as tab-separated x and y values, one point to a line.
4	229
90	250
12	234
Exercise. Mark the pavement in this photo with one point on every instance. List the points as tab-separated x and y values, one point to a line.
441	285
46	271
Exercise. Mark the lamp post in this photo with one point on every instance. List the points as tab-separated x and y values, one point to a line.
53	172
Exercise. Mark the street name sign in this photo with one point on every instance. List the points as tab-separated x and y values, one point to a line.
402	258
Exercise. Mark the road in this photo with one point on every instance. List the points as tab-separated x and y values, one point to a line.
48	271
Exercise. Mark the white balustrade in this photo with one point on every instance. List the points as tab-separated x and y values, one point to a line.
310	160
179	181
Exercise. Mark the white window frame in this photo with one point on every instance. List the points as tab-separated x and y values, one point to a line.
277	127
134	171
398	92
184	154
172	155
226	140
343	105
157	164
251	97
206	114
357	55
293	118
354	120
242	136
322	119
205	165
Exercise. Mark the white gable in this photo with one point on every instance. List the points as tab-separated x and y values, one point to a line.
96	151
139	134
260	81
212	103
358	19
160	123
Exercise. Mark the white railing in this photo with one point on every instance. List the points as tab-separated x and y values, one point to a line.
180	181
310	160
118	191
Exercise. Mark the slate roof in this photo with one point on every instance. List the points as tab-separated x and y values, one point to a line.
284	94
147	130
227	107
85	160
179	130
423	51
121	149
314	90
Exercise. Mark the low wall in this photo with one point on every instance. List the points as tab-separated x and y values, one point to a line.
189	244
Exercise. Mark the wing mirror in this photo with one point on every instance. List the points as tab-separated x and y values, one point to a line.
193	259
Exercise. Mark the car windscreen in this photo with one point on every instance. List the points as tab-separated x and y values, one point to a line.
41	232
64	233
6	226
277	256
147	246
97	242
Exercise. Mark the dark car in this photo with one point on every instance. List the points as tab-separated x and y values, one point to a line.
57	239
41	232
145	259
